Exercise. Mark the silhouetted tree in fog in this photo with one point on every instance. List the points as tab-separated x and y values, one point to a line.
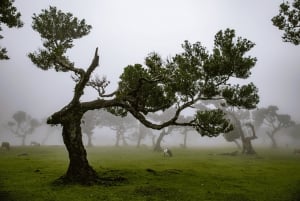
141	133
243	128
89	122
294	132
179	82
274	122
288	20
11	18
23	125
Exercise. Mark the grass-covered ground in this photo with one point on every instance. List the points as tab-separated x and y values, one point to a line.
27	174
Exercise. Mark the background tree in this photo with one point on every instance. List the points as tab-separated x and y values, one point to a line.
10	17
89	123
140	134
167	130
184	131
275	122
23	125
119	124
242	121
288	20
178	82
243	129
294	132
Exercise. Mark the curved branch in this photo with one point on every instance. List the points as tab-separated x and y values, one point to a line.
84	78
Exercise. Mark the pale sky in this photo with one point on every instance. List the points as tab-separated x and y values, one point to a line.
126	31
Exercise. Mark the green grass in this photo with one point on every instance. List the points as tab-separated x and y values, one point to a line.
192	174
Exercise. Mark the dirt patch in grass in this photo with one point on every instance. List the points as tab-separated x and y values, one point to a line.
164	172
160	193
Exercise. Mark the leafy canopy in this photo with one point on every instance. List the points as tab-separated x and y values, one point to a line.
58	30
180	82
288	20
10	17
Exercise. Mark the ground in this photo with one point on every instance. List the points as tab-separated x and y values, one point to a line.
28	173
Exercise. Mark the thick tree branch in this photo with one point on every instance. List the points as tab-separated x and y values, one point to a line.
83	80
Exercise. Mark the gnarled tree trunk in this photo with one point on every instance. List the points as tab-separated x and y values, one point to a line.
79	170
157	146
246	141
247	145
273	141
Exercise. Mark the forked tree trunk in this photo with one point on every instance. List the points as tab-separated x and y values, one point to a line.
79	170
89	142
273	141
247	145
124	139
157	146
246	141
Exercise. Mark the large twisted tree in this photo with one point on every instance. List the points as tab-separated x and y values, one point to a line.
180	82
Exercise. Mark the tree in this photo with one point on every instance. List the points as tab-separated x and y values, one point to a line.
119	124
288	20
23	125
294	132
274	121
178	82
89	123
11	17
237	116
141	133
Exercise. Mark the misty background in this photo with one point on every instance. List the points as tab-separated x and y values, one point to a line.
125	32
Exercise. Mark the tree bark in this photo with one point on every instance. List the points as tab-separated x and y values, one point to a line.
246	141
157	146
273	141
79	170
89	142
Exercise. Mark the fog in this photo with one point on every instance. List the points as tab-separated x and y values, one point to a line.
125	32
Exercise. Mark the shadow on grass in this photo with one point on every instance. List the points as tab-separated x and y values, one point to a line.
107	178
5	196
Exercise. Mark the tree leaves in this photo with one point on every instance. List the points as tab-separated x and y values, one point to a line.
11	17
211	123
288	20
58	30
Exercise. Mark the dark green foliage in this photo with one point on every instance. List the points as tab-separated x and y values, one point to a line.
211	123
58	30
245	96
10	17
228	58
191	76
288	20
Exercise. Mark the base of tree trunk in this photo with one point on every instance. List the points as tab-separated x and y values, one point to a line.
88	178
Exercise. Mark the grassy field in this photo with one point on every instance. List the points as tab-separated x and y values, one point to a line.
27	174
